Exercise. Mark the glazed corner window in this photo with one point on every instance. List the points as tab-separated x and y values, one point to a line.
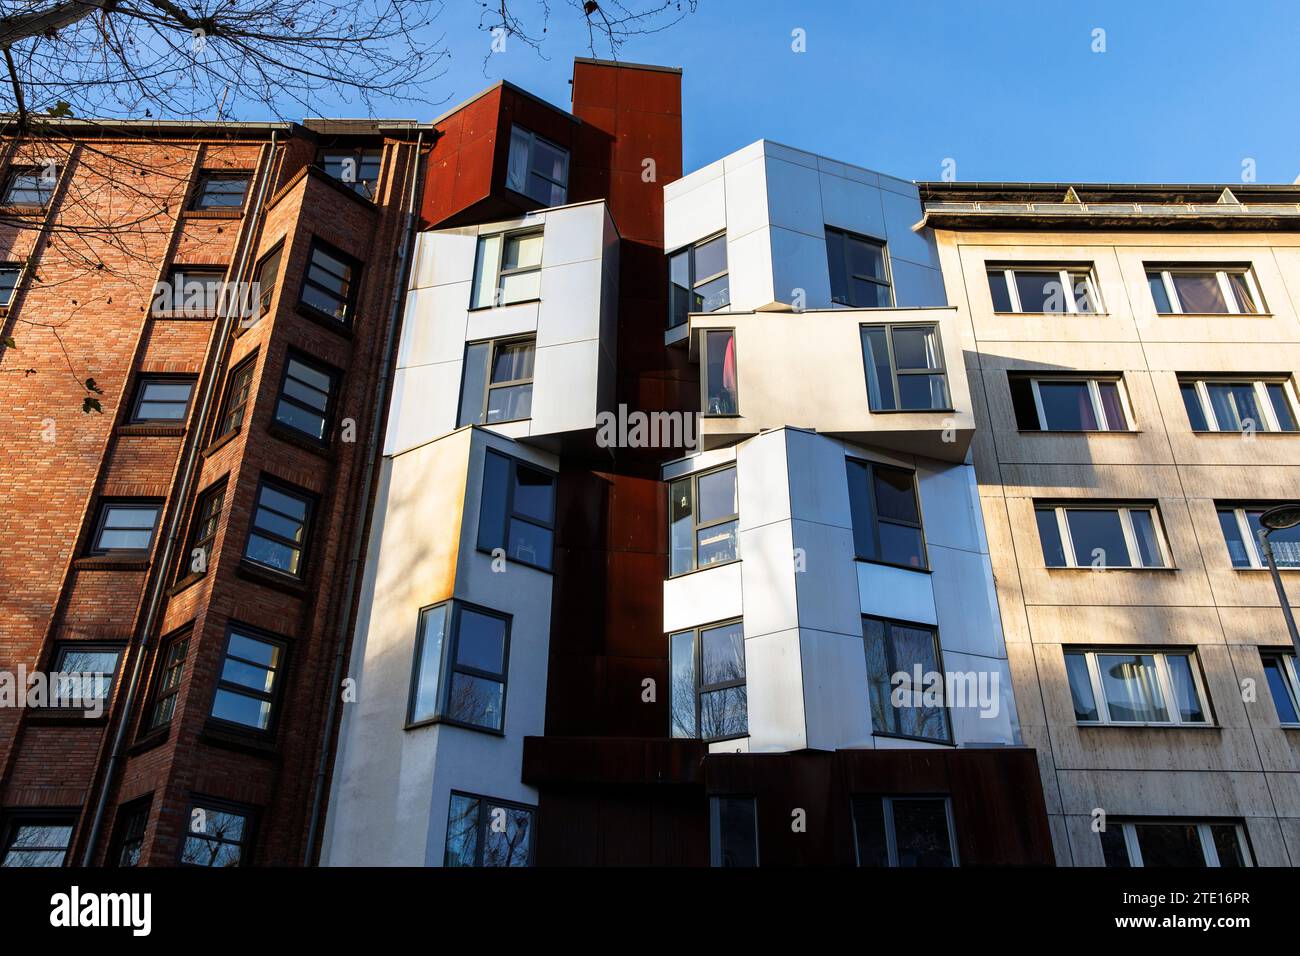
1241	405
125	527
703	515
330	283
304	401
162	399
899	708
719	379
486	832
1059	404
886	516
1136	687
128	841
1241	526
87	672
278	533
37	840
239	389
1047	290
9	276
172	669
697	280
1283	683
31	185
216	835
709	699
203	531
859	271
733	831
904	831
190	292
517	511
220	191
249	680
537	168
358	169
497	381
904	368
1187	843
507	270
459	675
1177	290
1101	537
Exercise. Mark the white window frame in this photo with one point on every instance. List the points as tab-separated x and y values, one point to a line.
1071	306
1163	678
1208	849
1290	673
1094	394
1130	537
499	271
1225	287
1247	533
1262	398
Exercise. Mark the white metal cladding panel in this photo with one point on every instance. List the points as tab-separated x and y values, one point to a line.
775	691
702	597
896	593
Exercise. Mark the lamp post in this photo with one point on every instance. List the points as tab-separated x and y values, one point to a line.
1279	519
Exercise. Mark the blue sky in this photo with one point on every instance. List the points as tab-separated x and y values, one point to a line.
1008	89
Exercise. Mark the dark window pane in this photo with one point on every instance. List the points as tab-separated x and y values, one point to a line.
710	258
921	392
1241	292
998	291
508	844
681	528
880	381
1169	844
1131	688
865	294
724	713
717	495
716	543
473	383
921	832
241	709
1281	406
1112	407
1235	406
481	641
476	700
1200	293
1049	533
1113	846
510	403
1159	295
913	646
1186	699
1041	292
1237	548
895	494
1148	543
737	833
883	716
713	295
1275	671
1098	536
534	494
866	259
864	538
432	630
683	690
1085	703
512	362
679	288
720	373
492	502
529	543
723	654
1192	402
1067	406
1226	844
916	347
869	830
838	265
462	832
1285	541
901	544
1022	401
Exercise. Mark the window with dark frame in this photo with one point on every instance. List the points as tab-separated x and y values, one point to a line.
239	389
719	396
1088	535
517	510
733	831
1283	684
10	274
203	531
167	689
279	530
482	831
1239	404
859	270
37	839
267	280
886	514
497	381
905	370
708	695
220	190
162	399
31	185
329	286
128	841
698	279
191	291
1153	841
1067	403
1241	526
88	671
904	830
703	517
358	169
1143	687
304	402
894	650
249	681
217	834
462	655
537	168
125	527
1204	290
507	269
1046	290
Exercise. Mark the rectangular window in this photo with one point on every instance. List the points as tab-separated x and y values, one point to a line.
356	168
703	515
278	535
191	291
162	399
718	382
172	669
1098	536
31	185
1187	843
517	511
697	280
904	831
203	531
220	191
733	831
330	284
886	515
249	680
125	528
859	270
1242	405
304	401
459	675
1118	686
537	168
497	381
88	671
482	831
37	840
1241	528
1283	684
904	368
1204	290
267	280
128	842
219	834
1054	403
239	389
507	270
1049	290
896	651
9	276
709	699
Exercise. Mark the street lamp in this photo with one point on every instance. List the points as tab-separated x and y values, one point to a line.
1279	519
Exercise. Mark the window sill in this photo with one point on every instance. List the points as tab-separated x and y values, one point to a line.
460	725
1079	431
922	740
503	305
272	579
1214	315
1091	569
22	209
184	583
156	430
1255	434
106	562
526	564
1121	725
148	741
290	437
338	326
243	327
891	564
728	415
1043	315
64	716
1265	570
256	745
185	315
912	411
222	441
707	567
223	213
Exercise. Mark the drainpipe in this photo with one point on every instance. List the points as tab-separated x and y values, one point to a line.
358	533
188	470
